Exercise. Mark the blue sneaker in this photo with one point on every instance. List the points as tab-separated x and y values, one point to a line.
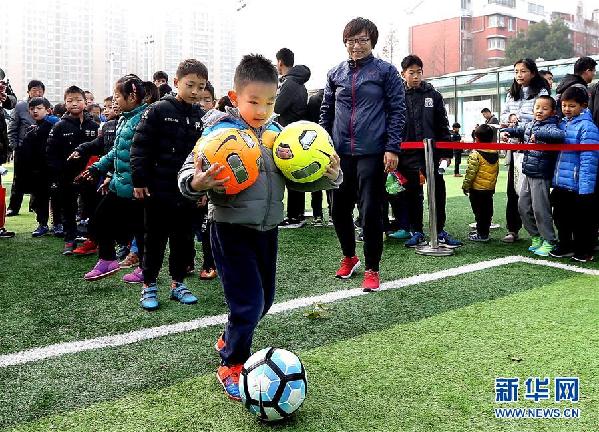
448	241
41	230
417	239
149	297
181	293
58	230
400	234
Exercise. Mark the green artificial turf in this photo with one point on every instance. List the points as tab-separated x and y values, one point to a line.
45	300
434	374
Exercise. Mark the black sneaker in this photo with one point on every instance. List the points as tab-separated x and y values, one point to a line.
360	236
292	223
10	213
58	230
317	221
582	258
560	252
6	234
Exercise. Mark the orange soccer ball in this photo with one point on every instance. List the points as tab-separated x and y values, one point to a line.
237	150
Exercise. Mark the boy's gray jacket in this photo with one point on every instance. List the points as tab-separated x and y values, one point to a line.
260	206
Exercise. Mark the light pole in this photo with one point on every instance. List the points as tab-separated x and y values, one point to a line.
149	40
110	71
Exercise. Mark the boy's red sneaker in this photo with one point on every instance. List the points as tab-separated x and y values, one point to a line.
371	281
88	247
348	266
228	376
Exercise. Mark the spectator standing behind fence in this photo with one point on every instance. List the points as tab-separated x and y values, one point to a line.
425	118
479	183
584	72
520	99
537	167
457	154
574	181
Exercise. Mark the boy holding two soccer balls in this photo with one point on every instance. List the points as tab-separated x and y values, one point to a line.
244	230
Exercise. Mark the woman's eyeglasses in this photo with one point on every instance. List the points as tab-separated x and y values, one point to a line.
359	41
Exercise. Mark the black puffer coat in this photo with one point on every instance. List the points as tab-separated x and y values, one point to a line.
64	138
166	134
425	118
103	142
292	100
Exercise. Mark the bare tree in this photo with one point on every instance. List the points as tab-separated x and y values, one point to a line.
390	46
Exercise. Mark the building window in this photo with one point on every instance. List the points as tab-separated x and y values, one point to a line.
536	9
508	3
496	21
510	24
495	43
466	4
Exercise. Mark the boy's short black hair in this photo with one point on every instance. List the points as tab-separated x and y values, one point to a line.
286	56
152	92
576	94
160	75
411	60
583	64
36	101
210	89
456	125
59	109
255	67
164	89
544	72
484	133
192	66
74	90
224	102
550	99
36	83
485	110
357	25
108	98
89	108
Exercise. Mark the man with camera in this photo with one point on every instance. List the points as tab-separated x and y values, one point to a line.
7	102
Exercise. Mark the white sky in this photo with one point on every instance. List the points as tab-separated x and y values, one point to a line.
310	28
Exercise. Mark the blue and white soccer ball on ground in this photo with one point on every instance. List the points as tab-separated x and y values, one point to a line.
273	384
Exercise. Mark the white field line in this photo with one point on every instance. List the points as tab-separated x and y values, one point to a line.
60	349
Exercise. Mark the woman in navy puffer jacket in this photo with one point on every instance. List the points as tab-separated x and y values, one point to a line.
364	111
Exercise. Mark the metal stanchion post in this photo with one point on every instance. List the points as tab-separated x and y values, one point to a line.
433	248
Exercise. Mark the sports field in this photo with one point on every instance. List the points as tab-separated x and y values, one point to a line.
421	355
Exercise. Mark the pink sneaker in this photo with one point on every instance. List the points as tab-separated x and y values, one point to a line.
102	269
136	276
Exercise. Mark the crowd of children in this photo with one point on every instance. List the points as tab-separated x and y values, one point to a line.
129	171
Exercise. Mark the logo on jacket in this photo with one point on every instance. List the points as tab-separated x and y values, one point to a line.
428	102
170	119
198	125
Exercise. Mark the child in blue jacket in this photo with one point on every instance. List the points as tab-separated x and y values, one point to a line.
537	166
574	180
